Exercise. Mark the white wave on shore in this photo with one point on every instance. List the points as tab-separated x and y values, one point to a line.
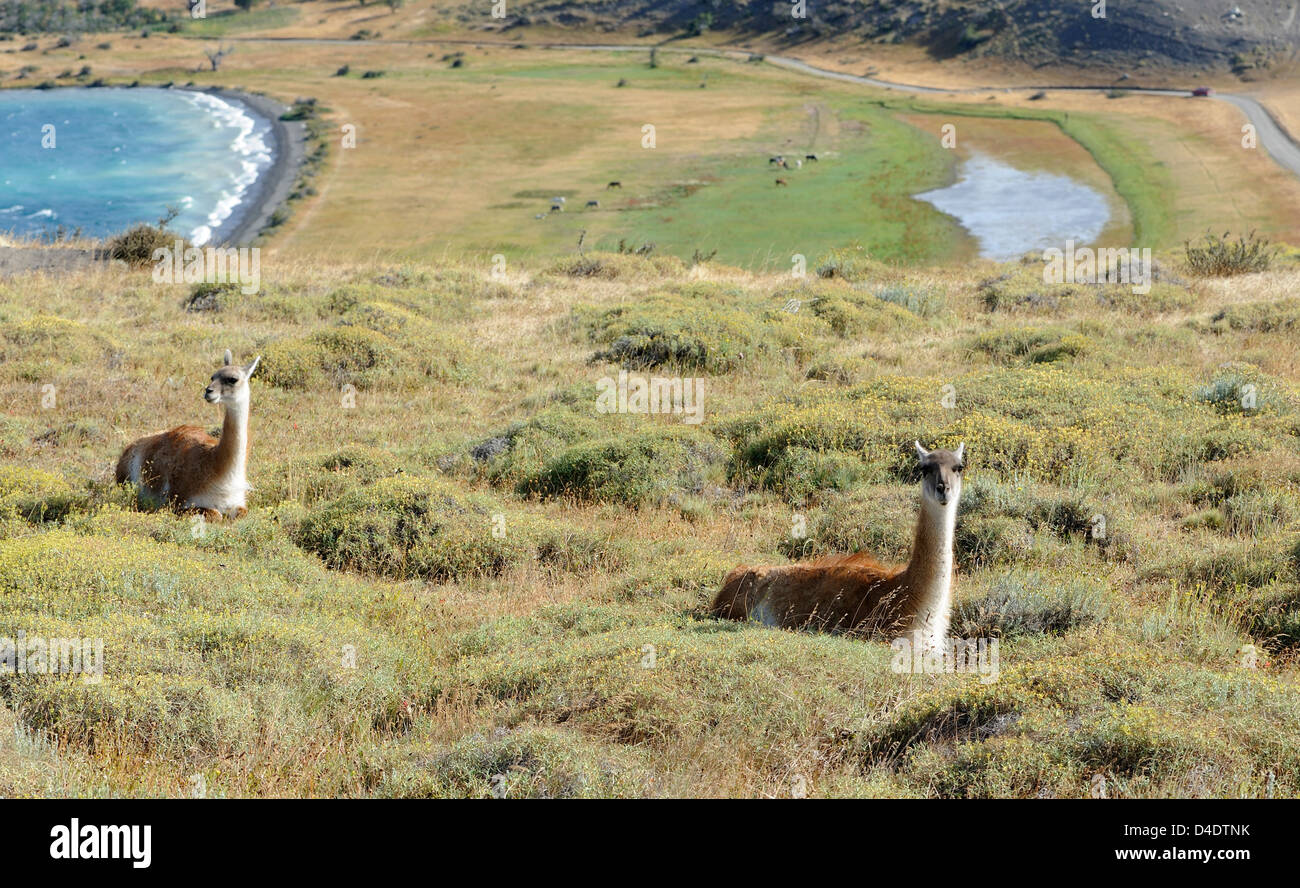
250	143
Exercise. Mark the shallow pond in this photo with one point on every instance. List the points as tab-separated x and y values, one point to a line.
1010	212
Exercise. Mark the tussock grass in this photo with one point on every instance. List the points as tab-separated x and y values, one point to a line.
136	245
1222	257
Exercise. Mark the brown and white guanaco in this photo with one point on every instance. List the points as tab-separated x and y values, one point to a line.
188	469
857	594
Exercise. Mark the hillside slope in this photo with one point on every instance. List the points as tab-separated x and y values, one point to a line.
1186	32
460	577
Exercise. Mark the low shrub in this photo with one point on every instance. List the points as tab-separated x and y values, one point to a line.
921	301
1029	603
211	297
34	495
617	266
851	313
853	264
137	244
1033	345
410	526
696	328
32	348
337	356
1257	317
634	469
1222	257
528	762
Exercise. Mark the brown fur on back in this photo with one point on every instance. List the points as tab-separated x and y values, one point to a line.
175	465
856	593
839	593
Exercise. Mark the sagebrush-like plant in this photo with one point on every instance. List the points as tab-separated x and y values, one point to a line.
1222	257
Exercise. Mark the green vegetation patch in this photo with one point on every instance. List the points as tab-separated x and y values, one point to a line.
527	762
1064	426
698	327
1032	345
34	495
408	526
716	329
617	266
202	651
376	344
1022	290
30	349
1023	602
636	469
1258	317
659	683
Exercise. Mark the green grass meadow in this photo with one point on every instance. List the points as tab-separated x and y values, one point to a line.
860	195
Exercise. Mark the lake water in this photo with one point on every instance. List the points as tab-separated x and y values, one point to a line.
1010	212
122	156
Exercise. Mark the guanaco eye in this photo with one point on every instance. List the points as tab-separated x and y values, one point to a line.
958	468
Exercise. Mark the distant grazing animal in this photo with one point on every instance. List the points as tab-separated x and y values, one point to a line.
188	469
593	203
557	207
776	160
799	164
559	200
782	182
810	157
855	594
613	185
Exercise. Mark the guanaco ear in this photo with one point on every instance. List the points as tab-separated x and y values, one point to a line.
921	452
228	359
961	449
248	371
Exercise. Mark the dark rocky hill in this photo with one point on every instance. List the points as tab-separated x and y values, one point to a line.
1192	33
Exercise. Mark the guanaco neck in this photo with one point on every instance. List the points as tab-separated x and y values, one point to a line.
929	573
231	456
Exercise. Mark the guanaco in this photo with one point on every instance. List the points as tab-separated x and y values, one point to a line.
855	593
188	469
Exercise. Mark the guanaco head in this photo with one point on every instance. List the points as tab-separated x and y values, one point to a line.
941	473
229	385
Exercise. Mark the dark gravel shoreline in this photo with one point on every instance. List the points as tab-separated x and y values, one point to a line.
273	187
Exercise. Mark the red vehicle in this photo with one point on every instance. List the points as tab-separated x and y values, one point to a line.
1202	91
